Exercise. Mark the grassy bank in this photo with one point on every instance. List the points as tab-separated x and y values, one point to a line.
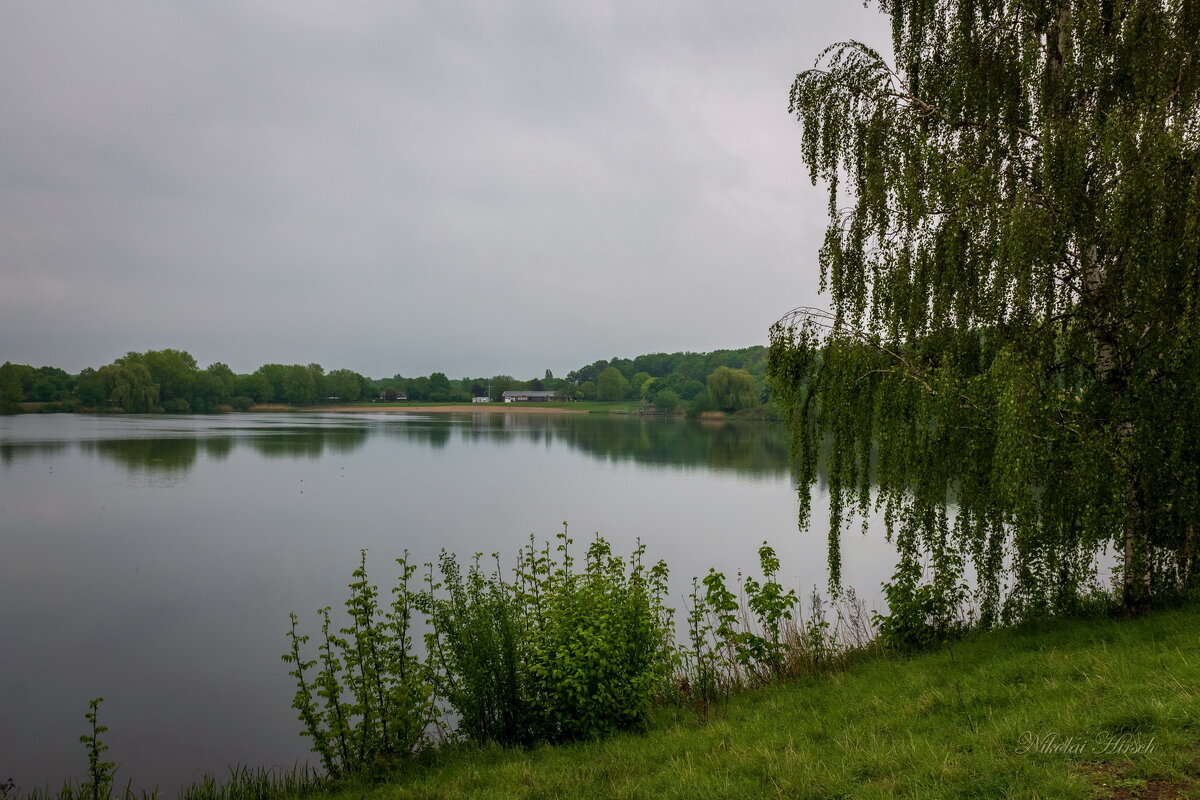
1077	709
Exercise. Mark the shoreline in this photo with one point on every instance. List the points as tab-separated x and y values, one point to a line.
464	408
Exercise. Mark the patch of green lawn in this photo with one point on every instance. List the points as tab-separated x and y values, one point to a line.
1075	709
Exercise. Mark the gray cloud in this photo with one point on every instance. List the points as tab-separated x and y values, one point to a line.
403	187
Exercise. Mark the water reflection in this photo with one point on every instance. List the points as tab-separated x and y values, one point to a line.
170	447
178	583
163	456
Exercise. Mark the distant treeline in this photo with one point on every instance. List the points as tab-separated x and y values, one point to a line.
171	381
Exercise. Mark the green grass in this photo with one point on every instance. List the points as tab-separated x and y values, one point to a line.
955	723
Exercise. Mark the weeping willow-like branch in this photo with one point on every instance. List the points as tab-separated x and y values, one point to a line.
1011	362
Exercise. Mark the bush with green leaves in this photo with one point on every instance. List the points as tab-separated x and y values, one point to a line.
556	653
666	402
748	631
601	644
474	648
369	699
921	614
561	647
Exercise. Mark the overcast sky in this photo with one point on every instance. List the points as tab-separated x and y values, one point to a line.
479	188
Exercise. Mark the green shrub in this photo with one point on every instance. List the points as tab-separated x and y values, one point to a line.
601	646
699	404
920	615
666	402
474	648
556	654
552	651
370	700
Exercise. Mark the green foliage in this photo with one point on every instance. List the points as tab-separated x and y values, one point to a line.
439	387
555	650
1010	369
920	615
732	389
699	404
749	638
89	389
666	402
474	645
639	384
556	653
176	405
172	371
10	387
100	773
243	783
172	382
256	386
299	385
345	385
986	717
601	641
611	385
129	387
369	700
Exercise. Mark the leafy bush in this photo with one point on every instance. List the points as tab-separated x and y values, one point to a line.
601	644
551	651
699	404
666	402
370	700
556	654
920	615
69	406
474	651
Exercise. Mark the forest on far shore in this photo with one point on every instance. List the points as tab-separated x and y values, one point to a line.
171	381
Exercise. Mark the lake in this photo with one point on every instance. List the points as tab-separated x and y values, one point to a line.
154	560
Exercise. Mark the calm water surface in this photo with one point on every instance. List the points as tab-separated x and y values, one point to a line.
154	560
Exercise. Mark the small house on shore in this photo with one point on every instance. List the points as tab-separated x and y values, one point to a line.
528	396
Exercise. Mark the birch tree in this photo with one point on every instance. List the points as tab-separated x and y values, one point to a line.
1009	365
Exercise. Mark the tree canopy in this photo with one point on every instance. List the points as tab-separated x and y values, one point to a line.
1010	364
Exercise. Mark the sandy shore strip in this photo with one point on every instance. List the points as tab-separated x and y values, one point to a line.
466	408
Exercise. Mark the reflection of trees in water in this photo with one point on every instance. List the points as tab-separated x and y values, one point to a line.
13	451
218	448
301	441
176	455
487	426
434	432
164	456
751	448
744	447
